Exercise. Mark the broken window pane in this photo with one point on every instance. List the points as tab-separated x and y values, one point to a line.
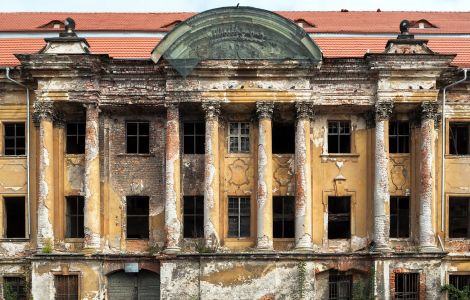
66	287
339	217
75	138
459	281
15	287
137	137
459	217
399	136
283	217
459	138
14	138
399	217
74	216
193	138
339	137
15	215
239	137
239	217
283	138
137	217
340	286
407	286
193	219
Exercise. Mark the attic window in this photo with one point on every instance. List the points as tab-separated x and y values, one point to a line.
422	24
55	24
172	24
304	24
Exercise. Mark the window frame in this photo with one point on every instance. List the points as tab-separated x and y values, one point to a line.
76	216
5	214
407	294
138	216
194	135
456	274
239	216
449	223
77	136
350	197
345	277
70	275
196	199
20	278
397	216
398	136
239	136
15	138
338	135
137	136
284	216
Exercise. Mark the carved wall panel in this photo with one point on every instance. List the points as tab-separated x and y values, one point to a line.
399	174
283	175
13	176
239	175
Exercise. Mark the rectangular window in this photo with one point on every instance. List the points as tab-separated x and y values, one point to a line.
75	138
239	217
137	134
14	142
239	137
459	138
193	138
339	217
459	281
15	215
15	287
340	286
399	217
137	217
74	216
66	287
339	137
283	217
283	138
193	219
399	136
459	217
407	286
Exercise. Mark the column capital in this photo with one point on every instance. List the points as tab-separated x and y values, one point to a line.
264	110
171	105
211	109
43	110
59	119
304	110
92	105
383	110
428	110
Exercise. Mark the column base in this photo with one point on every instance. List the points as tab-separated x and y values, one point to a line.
172	250
303	249
90	250
382	248
429	249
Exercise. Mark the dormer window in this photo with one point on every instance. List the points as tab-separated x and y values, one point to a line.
54	24
302	23
422	24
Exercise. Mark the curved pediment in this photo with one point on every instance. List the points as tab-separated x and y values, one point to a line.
235	33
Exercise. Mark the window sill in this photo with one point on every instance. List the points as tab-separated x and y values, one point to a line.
136	154
457	156
74	240
74	155
14	240
399	154
234	239
137	240
283	239
13	156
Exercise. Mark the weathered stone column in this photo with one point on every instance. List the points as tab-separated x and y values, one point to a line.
173	183
92	218
303	178
383	110
264	196
211	174
44	115
426	178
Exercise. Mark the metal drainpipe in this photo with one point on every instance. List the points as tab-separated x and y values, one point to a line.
443	142
7	74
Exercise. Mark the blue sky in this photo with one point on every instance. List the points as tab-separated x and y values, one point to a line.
194	5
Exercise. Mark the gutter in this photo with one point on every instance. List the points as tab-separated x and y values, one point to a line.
443	142
28	211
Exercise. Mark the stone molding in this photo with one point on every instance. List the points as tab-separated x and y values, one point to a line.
44	110
264	110
304	110
211	109
383	111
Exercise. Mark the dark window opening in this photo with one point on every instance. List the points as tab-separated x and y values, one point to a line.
339	137
193	219
15	217
459	221
340	286
283	138
459	138
283	217
74	217
66	287
399	137
75	140
14	142
239	217
137	134
339	217
399	217
193	138
15	287
460	282
407	286
137	217
239	137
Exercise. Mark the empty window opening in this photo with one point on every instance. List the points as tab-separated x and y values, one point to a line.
66	287
137	217
74	217
15	287
193	219
407	286
15	217
283	138
399	137
193	138
239	217
137	137
339	137
283	217
339	286
399	217
459	142
14	143
239	137
460	282
75	140
459	220
339	217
